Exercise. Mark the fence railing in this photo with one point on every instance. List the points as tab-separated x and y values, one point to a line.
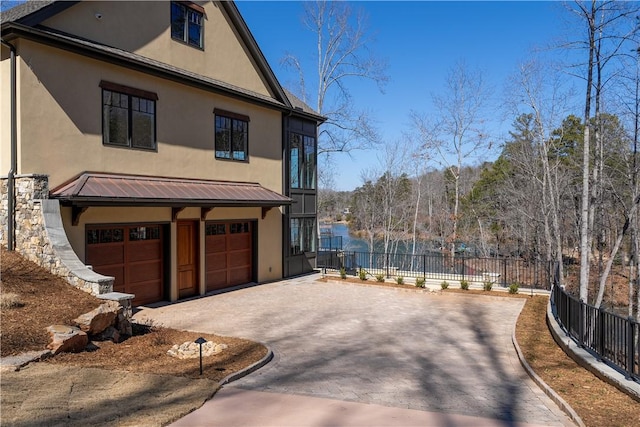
615	339
505	271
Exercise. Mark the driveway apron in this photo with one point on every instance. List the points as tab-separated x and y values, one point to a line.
443	353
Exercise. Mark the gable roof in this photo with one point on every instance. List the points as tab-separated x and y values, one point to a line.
24	19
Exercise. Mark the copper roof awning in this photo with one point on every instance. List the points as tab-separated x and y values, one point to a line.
100	189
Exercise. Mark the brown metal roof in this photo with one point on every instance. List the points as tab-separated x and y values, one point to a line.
99	189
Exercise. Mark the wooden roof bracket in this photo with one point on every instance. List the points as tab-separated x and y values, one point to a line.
76	213
175	212
266	209
204	212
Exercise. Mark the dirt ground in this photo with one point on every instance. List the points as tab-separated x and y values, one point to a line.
136	382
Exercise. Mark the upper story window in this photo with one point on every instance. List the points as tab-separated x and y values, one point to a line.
232	136
128	117
187	23
302	166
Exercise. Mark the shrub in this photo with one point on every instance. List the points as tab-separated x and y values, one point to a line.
420	282
380	278
343	273
487	285
464	284
362	274
513	288
444	285
400	280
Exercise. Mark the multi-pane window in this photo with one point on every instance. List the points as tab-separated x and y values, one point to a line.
215	230
128	120
232	136
186	24
303	235
302	166
106	235
144	233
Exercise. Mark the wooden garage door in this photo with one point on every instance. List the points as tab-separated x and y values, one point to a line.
133	255
228	254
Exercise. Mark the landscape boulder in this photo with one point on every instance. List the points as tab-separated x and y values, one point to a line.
109	334
66	339
123	325
96	321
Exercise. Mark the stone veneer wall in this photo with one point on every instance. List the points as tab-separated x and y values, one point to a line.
40	236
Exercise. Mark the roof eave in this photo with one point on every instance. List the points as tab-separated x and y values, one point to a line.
138	202
12	30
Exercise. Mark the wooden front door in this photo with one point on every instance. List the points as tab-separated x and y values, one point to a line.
188	273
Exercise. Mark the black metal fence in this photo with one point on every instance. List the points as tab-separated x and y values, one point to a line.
504	271
615	339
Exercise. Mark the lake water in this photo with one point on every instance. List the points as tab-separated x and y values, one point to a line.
355	244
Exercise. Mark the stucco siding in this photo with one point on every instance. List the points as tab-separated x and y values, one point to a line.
5	111
143	27
61	117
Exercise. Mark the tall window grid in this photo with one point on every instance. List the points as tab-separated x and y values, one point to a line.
231	138
128	120
303	235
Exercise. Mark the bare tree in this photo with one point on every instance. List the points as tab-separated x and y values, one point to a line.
538	90
342	53
457	135
606	35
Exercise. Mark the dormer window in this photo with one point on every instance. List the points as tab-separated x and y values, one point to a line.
187	23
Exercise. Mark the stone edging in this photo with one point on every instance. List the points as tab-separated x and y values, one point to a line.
562	404
249	369
590	362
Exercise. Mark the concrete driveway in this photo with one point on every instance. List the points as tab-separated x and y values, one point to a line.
449	354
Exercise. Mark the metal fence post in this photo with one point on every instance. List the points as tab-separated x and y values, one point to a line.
581	317
630	347
601	332
504	270
424	265
463	268
387	256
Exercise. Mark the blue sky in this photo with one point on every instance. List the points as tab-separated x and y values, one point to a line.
420	40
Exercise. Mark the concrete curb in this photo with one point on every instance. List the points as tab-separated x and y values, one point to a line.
249	369
590	362
562	404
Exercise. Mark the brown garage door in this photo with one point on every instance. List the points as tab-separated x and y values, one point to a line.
133	255
228	254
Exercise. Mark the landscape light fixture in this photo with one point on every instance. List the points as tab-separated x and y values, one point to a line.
200	341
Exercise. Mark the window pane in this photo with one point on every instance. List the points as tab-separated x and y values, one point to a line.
144	233
239	227
115	118
143	126
223	137
195	28
93	237
309	234
239	140
295	160
178	21
309	162
215	229
295	236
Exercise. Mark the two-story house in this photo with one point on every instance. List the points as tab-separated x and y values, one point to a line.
157	145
